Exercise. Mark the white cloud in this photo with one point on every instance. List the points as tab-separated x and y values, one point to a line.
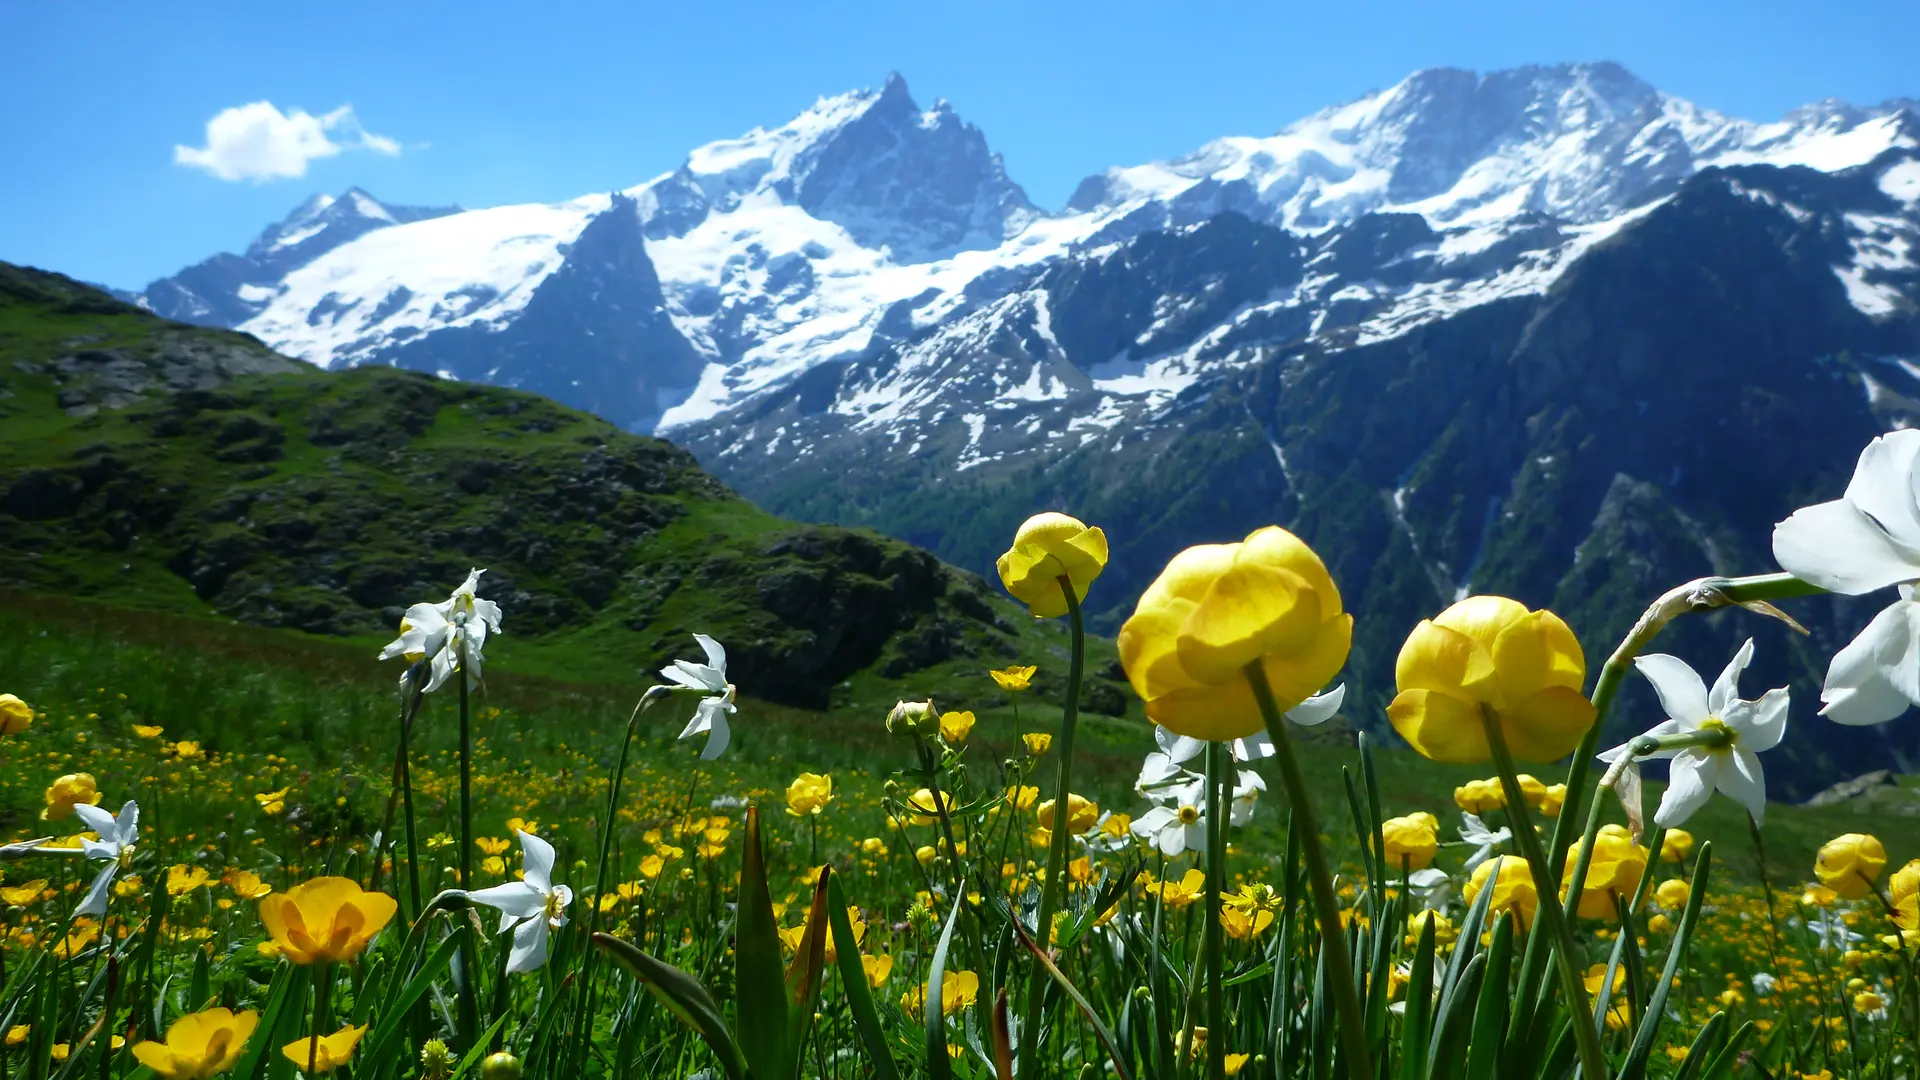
259	142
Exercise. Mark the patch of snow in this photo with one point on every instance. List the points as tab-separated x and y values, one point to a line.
255	294
1902	181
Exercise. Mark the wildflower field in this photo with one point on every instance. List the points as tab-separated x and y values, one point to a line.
258	853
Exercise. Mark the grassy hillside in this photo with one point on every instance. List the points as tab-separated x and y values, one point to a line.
152	466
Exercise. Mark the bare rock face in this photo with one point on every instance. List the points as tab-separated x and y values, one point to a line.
1858	787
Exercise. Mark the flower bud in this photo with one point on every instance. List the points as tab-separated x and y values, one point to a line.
1047	548
1850	864
500	1066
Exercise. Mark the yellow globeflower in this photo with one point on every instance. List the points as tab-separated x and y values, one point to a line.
1480	796
1217	608
1595	978
1675	845
1411	841
1513	890
1850	864
955	727
1082	814
1014	679
1615	871
1905	882
328	1052
199	1045
1672	893
1553	800
325	919
1046	548
15	715
1443	928
809	794
924	808
1491	653
67	792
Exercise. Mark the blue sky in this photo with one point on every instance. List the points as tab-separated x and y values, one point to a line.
490	102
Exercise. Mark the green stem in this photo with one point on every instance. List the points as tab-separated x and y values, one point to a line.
406	795
469	954
1593	1062
1051	888
1333	943
1217	772
322	1003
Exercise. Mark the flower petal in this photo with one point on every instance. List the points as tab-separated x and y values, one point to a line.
716	654
1838	547
1760	724
719	734
1319	708
1726	688
515	898
1744	780
96	902
1871	679
1689	786
536	858
1681	692
1883	485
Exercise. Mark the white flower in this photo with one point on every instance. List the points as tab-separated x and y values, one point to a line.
1179	825
1177	750
1865	541
1246	794
453	632
1763	984
1732	766
532	907
1431	886
710	678
118	833
1486	841
1830	931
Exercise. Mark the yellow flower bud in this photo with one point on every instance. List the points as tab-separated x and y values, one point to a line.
1513	889
1217	608
1672	894
1850	864
1082	814
1491	653
1675	845
1046	548
1411	841
1480	796
67	792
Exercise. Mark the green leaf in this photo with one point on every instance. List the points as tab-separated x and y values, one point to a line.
1107	1041
853	979
1413	1064
1702	1045
284	998
683	996
932	1004
480	1045
760	981
1490	1012
1722	1062
803	975
1447	1056
1636	1064
394	1013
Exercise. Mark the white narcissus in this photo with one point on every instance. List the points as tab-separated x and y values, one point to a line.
452	632
1745	728
118	833
1867	540
1485	841
710	716
1180	823
532	907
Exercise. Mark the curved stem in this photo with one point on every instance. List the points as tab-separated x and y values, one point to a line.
1333	939
1593	1062
1052	886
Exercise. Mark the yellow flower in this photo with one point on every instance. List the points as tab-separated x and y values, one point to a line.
15	715
1480	796
877	969
199	1045
1234	1063
1178	894
925	809
187	750
1850	864
1905	882
1491	653
1038	742
246	884
272	802
1513	890
1443	929
492	845
1615	871
493	865
148	731
327	1053
1082	814
1217	608
1818	896
955	726
809	794
22	895
182	880
1046	548
1244	924
1660	924
1617	1015
17	1034
1014	679
873	846
66	793
1411	841
1675	845
1867	1001
1553	800
925	854
520	825
1117	825
325	919
1672	894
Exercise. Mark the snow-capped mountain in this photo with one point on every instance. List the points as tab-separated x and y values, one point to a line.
226	290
